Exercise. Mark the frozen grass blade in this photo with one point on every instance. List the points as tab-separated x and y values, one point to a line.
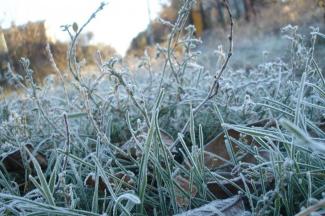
229	147
5	183
94	205
192	127
166	155
131	201
54	175
302	137
300	99
43	186
45	208
143	169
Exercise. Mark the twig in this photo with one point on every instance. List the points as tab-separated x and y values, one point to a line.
215	85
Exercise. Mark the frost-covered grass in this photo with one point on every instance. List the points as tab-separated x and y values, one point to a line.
83	125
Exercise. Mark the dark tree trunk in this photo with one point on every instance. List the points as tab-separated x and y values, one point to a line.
220	12
249	9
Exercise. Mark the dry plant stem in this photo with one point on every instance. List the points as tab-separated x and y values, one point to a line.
312	208
57	70
67	150
72	57
215	85
74	68
162	75
45	116
102	135
25	65
172	41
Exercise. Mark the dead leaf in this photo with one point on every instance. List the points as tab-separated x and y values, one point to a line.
13	162
90	180
216	153
218	147
226	188
166	138
181	199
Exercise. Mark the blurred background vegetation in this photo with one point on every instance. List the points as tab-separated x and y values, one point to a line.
257	30
258	25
